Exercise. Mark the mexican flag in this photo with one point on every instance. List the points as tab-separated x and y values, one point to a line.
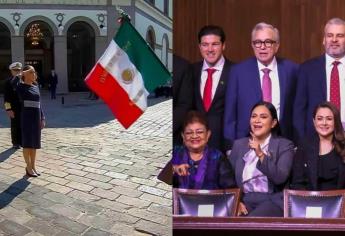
126	73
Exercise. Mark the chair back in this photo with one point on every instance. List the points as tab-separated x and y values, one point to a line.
193	202
314	204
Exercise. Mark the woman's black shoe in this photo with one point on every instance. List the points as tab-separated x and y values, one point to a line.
30	175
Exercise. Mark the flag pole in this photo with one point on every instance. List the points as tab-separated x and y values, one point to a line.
125	17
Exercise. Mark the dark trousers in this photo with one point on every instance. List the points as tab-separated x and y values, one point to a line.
16	132
53	92
261	205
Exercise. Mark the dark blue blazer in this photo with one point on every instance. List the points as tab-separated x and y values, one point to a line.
244	91
311	90
216	112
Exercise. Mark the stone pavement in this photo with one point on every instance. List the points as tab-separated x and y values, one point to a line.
97	178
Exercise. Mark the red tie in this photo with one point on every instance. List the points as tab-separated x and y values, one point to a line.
207	98
335	86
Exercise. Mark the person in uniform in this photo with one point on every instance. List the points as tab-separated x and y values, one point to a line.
12	104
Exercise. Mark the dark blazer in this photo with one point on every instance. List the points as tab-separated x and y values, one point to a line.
276	166
244	91
11	97
183	99
216	112
311	90
305	167
53	80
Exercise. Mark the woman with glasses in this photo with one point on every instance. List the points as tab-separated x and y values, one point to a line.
319	163
262	164
195	164
32	118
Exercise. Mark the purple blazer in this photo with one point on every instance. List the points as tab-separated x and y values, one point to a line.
213	171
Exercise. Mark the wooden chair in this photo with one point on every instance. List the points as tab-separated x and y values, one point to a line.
192	202
314	204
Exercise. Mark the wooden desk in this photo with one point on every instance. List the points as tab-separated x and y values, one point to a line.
262	226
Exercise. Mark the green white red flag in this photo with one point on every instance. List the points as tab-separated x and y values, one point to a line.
126	73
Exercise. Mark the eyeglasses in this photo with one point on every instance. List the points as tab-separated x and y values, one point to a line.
198	132
268	43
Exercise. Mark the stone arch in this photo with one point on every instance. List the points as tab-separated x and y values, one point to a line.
38	18
151	37
80	54
89	21
165	50
8	25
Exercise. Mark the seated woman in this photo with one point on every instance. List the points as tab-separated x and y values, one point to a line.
196	165
262	164
319	163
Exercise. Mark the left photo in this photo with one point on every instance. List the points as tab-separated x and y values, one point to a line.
86	117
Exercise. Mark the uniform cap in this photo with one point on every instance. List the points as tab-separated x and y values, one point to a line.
15	66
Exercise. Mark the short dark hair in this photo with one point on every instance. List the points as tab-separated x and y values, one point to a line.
211	29
276	129
338	134
194	116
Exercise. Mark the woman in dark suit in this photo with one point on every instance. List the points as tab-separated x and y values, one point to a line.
262	164
32	118
195	164
319	163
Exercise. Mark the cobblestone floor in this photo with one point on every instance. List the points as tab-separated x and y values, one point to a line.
97	178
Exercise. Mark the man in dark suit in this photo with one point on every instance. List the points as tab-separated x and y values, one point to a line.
210	81
263	77
182	95
53	81
321	79
12	103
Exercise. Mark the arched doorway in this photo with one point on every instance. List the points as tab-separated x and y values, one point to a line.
5	54
81	54
151	38
39	49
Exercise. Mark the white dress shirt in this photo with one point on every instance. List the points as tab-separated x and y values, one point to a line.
274	81
215	77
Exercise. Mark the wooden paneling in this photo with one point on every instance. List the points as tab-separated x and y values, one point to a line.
300	23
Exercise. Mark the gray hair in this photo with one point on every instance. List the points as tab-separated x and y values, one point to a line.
334	21
263	25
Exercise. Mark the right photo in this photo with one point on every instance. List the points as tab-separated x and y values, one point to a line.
258	117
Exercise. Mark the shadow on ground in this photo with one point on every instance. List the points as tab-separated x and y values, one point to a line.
9	194
76	112
6	154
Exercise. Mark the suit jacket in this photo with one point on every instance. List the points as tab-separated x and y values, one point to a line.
11	98
305	166
215	113
276	165
53	80
218	173
180	65
183	99
244	91
311	90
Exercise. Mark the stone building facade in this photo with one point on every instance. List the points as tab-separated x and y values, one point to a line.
69	35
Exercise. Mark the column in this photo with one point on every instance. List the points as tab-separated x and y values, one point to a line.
60	58
17	49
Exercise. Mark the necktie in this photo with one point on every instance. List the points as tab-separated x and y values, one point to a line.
335	86
266	86
207	98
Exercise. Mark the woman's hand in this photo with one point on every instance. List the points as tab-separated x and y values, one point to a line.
43	124
254	144
181	170
242	210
